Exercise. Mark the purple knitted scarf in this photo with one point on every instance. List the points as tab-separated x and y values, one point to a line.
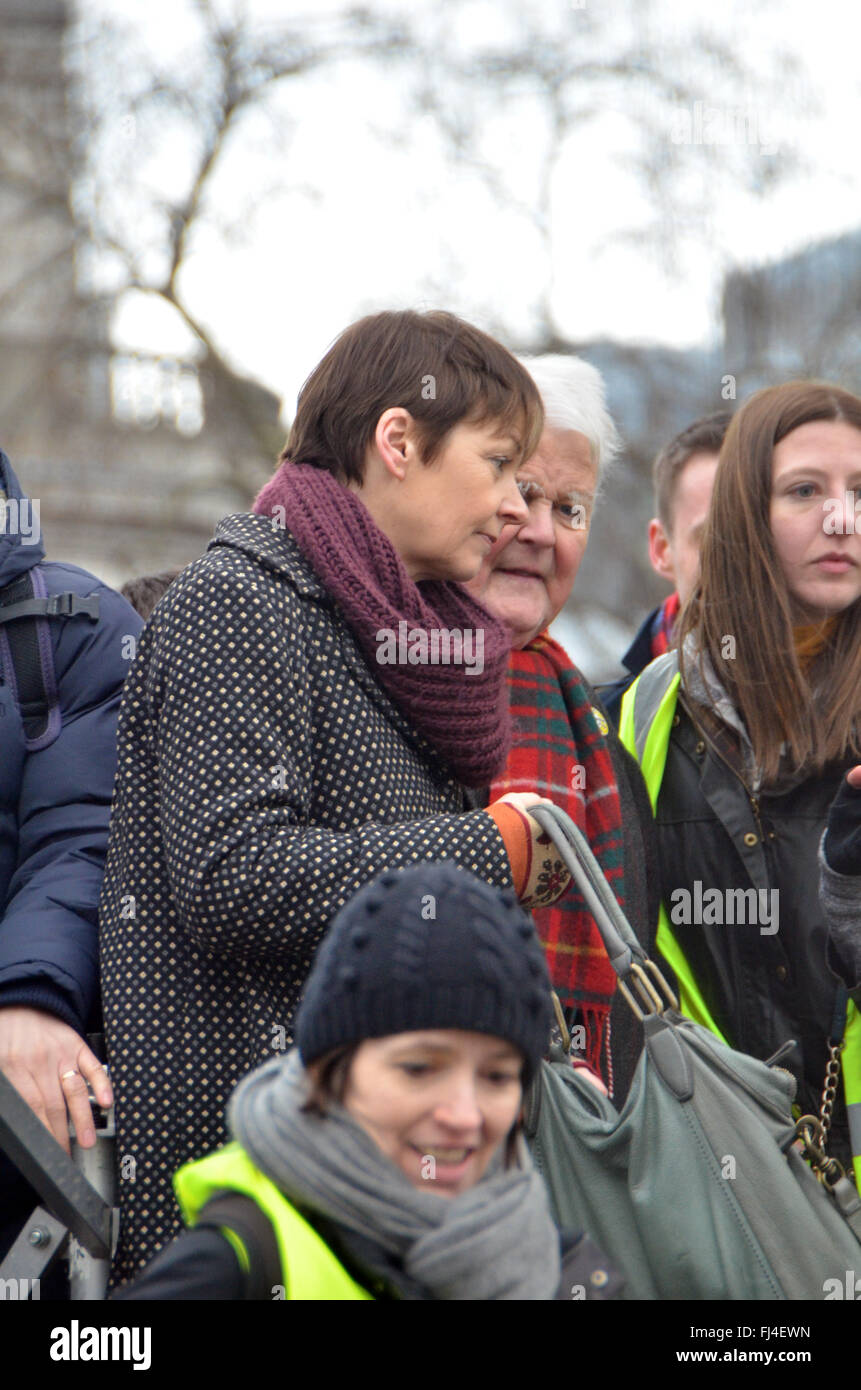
438	654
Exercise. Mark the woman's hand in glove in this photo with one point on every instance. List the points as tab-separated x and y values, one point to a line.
537	870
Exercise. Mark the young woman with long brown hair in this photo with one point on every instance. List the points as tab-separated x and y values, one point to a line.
746	733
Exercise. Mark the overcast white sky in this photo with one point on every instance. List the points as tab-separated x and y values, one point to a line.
394	223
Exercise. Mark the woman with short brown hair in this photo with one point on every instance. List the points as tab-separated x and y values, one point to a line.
287	732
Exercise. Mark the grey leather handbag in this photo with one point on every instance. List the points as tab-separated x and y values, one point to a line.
697	1188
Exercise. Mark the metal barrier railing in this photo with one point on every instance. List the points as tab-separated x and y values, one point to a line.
77	1217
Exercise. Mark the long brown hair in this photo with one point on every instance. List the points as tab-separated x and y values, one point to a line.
743	594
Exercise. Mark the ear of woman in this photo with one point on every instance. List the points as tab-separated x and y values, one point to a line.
394	446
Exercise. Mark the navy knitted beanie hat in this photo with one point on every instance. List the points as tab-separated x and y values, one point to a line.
429	946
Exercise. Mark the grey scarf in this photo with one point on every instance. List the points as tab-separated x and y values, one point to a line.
703	685
495	1241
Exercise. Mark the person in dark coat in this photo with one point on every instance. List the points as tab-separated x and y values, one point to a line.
562	743
683	474
55	796
383	1159
293	725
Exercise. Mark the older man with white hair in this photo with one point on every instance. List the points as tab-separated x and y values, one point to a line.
563	746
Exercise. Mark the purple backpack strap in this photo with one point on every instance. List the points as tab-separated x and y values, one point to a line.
27	651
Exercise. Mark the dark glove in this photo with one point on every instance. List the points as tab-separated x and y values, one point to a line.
843	834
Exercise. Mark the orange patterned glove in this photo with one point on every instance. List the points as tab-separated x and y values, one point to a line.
538	874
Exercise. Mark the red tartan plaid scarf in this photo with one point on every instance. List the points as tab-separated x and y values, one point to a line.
662	635
560	750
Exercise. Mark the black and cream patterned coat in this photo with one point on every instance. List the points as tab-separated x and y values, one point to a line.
264	776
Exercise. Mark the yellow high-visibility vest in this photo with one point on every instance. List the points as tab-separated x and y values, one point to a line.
310	1270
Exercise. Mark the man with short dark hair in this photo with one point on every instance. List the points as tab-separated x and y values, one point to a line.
684	474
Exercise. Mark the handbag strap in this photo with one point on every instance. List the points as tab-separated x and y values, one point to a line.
626	955
832	1067
814	1130
241	1215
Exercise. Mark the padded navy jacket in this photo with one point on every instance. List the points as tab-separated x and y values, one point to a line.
55	801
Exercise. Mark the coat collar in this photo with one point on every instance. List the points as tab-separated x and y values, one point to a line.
271	546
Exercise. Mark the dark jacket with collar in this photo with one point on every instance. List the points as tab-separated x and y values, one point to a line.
762	986
201	1264
264	776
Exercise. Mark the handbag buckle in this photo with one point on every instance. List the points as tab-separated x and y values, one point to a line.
649	995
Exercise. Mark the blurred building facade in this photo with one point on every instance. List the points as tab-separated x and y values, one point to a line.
133	458
798	317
